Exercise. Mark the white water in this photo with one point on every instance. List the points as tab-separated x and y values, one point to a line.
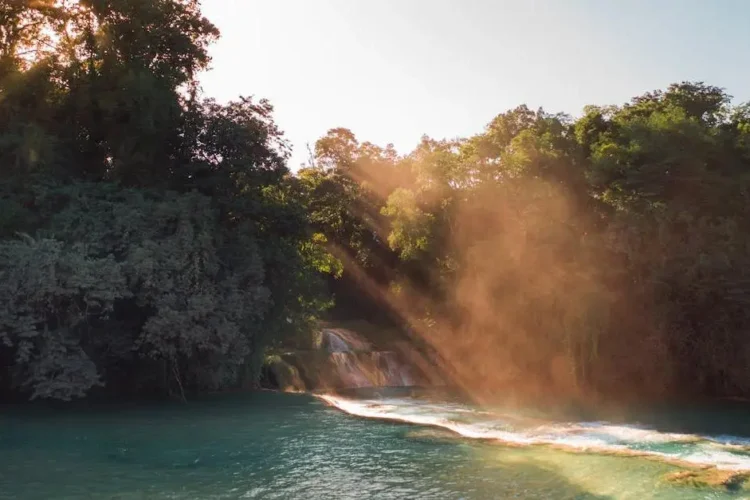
723	452
396	373
340	340
357	365
349	371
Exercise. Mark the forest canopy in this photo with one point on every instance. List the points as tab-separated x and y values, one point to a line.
149	241
153	242
549	256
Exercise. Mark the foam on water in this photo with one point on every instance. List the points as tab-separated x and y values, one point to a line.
723	452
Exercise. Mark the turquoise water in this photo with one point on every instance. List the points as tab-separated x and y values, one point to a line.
269	445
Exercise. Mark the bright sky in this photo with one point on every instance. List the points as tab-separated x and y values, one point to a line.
393	70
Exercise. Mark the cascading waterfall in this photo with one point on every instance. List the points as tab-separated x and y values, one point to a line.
344	360
340	340
357	365
397	373
350	370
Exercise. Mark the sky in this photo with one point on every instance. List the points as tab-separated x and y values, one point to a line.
395	70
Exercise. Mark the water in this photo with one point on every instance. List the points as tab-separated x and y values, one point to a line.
269	445
342	340
725	452
347	361
370	369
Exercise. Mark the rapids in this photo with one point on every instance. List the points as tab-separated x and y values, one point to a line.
724	452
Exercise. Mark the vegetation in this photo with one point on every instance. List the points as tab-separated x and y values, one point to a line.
150	244
153	242
603	256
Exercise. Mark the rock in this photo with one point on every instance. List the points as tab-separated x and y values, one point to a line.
284	376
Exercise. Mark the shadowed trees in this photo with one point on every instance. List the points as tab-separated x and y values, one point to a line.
150	244
547	255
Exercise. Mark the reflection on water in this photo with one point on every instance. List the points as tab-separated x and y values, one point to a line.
291	446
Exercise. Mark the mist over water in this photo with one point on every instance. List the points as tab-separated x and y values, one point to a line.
686	447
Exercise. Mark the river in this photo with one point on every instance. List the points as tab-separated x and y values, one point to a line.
287	446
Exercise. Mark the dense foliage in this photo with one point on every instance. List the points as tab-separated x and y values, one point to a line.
150	244
606	255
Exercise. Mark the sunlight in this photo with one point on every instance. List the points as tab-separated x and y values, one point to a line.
211	287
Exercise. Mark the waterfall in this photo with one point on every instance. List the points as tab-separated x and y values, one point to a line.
350	371
371	369
357	364
340	340
398	374
346	360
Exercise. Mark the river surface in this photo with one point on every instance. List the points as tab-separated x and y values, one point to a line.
270	445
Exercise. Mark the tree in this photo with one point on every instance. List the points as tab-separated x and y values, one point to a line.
128	182
592	256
